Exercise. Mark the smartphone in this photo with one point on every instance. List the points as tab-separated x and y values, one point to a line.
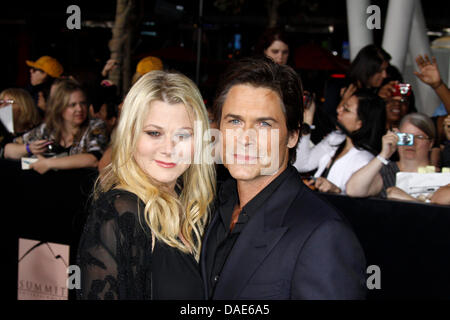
405	139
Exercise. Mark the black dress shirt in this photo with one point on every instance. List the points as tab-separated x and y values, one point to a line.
222	239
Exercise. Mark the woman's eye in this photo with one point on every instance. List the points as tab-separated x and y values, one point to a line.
183	136
153	133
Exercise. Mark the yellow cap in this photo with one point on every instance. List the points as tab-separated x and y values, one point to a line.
49	65
148	64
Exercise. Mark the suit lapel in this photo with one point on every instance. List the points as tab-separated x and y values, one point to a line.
256	240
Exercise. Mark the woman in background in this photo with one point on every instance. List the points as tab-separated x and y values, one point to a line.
67	129
361	121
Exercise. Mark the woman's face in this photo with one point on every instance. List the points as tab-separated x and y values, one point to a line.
376	80
37	76
165	146
396	109
76	112
420	150
347	114
278	52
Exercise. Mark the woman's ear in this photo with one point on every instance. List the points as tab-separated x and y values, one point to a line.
358	125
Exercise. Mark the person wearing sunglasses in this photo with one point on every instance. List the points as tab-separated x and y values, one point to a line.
43	72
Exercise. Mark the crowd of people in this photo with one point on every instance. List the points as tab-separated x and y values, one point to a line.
152	221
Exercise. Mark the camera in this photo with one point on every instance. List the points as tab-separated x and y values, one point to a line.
402	90
51	150
405	139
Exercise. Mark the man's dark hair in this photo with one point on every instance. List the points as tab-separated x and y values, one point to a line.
262	72
367	62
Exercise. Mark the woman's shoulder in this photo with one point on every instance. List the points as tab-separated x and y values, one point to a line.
117	202
361	155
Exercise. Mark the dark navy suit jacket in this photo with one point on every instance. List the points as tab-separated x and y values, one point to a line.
295	247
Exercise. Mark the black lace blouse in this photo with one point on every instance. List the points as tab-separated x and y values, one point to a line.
116	260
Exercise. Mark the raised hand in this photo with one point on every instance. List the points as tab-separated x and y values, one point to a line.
389	144
429	72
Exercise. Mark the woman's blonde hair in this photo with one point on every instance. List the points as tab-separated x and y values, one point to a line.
167	216
28	114
58	102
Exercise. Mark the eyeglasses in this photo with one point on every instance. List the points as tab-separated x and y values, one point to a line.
421	137
6	101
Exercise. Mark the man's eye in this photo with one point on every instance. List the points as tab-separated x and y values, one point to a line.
265	124
153	133
234	121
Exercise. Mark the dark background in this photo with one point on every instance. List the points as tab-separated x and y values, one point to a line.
30	29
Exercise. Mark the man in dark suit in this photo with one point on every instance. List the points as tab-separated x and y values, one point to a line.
270	236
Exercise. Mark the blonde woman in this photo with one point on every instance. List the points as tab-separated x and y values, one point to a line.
142	238
68	131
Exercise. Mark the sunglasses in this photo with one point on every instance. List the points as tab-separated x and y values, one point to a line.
36	69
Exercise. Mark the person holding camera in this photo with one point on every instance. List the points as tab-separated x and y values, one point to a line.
360	124
66	132
413	140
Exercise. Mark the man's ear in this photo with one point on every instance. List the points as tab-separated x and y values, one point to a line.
293	138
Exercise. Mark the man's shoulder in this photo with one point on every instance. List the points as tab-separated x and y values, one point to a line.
308	208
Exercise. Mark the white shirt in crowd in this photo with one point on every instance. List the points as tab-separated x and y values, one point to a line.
310	157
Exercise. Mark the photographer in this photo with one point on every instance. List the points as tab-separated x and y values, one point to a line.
378	177
66	132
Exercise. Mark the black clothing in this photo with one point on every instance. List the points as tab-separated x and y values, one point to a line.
445	156
389	175
293	246
220	246
116	260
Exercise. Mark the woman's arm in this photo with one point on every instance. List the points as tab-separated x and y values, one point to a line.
308	156
367	181
114	253
429	74
18	150
77	161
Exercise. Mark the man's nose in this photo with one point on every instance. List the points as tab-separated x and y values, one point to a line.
246	137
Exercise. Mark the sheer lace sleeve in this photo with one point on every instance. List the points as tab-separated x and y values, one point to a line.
114	254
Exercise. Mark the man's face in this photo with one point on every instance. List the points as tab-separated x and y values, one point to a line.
255	137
